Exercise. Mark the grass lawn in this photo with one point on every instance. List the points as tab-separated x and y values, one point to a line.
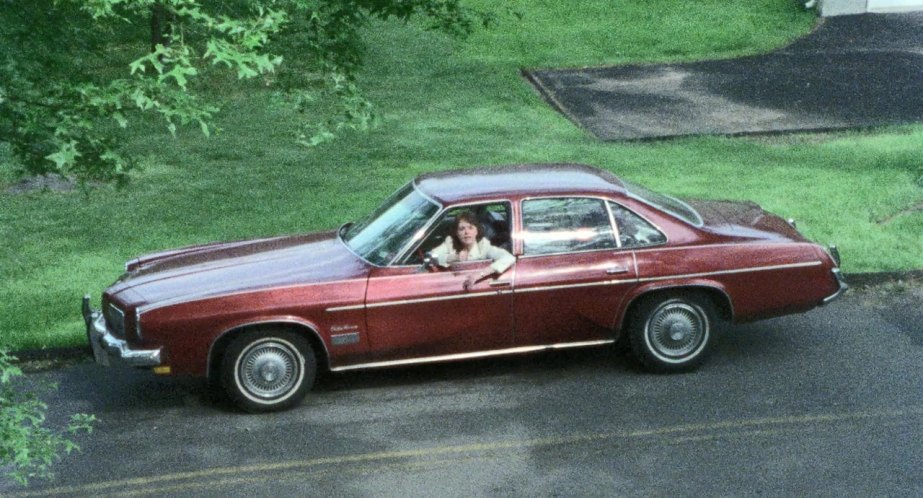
446	103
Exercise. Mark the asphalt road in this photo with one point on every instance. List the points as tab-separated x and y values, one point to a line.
828	403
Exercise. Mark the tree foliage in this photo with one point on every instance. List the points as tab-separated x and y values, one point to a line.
75	72
27	447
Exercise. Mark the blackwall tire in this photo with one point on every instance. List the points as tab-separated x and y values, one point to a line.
268	370
672	333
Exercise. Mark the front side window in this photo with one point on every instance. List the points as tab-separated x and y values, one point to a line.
400	219
493	223
634	231
567	224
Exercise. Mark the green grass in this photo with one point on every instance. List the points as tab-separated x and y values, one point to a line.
445	103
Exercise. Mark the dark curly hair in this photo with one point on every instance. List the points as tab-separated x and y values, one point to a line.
472	220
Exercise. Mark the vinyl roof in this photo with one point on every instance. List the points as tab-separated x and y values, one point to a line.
517	181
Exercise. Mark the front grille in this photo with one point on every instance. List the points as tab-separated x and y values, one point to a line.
115	321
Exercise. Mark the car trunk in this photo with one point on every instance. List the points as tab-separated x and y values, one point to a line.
748	215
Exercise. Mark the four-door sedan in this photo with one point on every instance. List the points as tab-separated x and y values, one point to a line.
597	260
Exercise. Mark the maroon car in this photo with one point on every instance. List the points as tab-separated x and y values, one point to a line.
597	260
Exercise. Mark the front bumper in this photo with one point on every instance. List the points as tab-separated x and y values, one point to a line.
107	347
842	283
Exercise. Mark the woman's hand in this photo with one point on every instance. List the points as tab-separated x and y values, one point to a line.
474	278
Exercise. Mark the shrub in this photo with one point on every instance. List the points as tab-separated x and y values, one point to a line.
27	447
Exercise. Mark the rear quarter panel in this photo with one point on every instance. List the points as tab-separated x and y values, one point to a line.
761	280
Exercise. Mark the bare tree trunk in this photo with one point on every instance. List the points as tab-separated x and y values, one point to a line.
160	26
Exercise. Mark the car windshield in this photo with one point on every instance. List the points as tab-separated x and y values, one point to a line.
664	202
381	235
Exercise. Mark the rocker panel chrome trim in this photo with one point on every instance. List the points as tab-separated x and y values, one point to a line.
467	356
346	308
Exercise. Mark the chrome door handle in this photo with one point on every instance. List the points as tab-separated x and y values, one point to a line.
500	283
615	270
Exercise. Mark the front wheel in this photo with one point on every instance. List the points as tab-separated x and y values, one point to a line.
268	370
672	333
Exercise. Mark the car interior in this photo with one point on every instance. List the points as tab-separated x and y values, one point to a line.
494	219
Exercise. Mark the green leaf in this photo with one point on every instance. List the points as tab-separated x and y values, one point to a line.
120	119
179	73
245	71
65	155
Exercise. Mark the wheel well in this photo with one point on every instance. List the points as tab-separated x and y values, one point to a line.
222	343
718	298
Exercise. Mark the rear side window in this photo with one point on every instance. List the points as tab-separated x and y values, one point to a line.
634	231
567	224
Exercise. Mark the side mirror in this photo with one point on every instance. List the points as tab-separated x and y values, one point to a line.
429	259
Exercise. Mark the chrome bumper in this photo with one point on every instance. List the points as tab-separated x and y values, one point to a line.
842	283
107	347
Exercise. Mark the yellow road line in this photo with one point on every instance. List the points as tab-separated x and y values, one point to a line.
687	431
290	476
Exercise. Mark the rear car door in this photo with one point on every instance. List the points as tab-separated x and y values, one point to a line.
572	275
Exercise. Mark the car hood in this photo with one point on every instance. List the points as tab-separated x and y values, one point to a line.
744	218
215	269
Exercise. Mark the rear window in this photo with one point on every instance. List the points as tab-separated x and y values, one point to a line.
664	202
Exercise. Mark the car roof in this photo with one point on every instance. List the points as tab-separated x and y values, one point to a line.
518	180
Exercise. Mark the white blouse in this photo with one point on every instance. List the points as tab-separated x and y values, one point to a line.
445	254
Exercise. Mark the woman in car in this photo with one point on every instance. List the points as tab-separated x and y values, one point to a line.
467	243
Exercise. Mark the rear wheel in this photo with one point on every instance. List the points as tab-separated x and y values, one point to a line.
673	332
268	369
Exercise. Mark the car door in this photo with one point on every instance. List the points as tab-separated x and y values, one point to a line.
418	313
572	275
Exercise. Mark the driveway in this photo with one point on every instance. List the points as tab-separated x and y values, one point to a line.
826	403
853	71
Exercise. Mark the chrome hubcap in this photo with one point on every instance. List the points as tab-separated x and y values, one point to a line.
269	369
677	329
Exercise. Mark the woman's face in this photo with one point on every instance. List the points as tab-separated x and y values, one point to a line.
467	233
